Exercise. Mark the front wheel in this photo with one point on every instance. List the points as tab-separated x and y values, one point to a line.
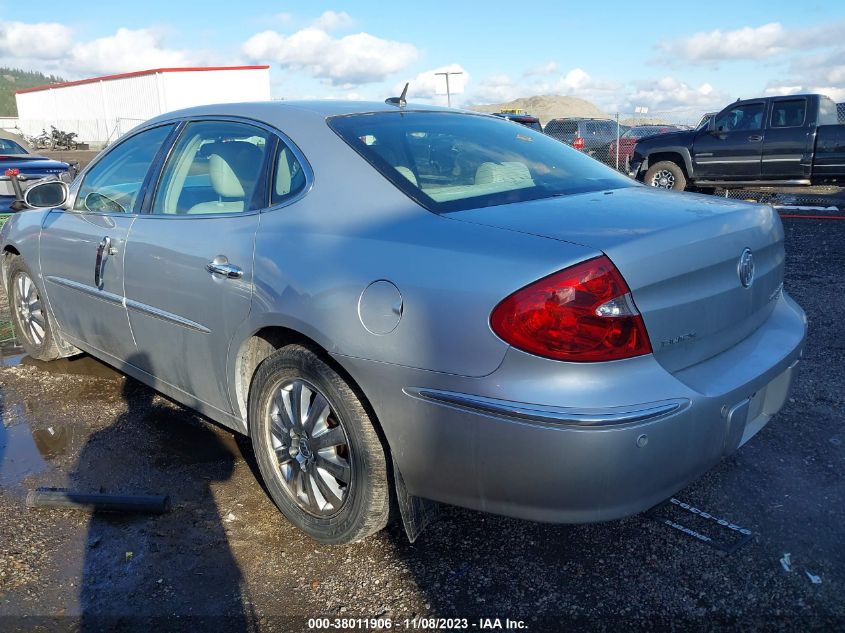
666	175
317	448
29	314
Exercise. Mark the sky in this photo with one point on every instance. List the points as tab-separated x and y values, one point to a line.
619	55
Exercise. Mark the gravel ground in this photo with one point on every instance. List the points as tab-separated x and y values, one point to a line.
225	559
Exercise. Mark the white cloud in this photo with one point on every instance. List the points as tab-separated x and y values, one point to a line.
53	48
760	42
40	40
352	59
125	51
428	86
333	21
670	95
745	43
822	73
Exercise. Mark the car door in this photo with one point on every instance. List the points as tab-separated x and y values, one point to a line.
733	148
189	261
82	249
787	139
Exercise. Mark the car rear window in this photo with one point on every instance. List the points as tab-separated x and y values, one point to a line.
10	147
562	128
450	161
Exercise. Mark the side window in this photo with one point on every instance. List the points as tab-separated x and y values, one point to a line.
747	116
789	113
215	167
113	184
288	176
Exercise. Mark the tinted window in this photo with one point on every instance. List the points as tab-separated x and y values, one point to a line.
450	162
600	127
10	147
829	113
215	167
747	116
288	176
562	128
113	184
789	113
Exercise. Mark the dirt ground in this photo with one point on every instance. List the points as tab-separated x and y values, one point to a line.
223	558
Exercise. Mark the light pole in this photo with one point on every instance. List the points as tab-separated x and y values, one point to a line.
448	92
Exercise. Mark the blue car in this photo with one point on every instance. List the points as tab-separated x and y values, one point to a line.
15	155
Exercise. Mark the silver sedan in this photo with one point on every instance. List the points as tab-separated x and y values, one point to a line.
415	302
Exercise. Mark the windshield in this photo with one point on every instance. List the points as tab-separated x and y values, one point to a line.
640	132
450	161
8	146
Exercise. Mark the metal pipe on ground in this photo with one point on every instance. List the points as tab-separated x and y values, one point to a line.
97	502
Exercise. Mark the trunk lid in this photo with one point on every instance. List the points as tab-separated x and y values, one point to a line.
679	254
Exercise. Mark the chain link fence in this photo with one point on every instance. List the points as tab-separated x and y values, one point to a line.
611	140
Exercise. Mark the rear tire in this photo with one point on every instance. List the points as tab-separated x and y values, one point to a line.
29	314
321	459
666	175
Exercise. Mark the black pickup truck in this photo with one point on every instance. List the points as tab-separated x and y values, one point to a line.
793	140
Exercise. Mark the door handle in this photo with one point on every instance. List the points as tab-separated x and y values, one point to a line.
104	249
755	138
220	266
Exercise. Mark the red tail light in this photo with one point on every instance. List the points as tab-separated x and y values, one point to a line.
584	313
578	143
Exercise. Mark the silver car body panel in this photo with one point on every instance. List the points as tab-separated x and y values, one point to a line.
468	419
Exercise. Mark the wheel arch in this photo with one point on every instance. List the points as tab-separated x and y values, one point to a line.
678	155
9	251
267	340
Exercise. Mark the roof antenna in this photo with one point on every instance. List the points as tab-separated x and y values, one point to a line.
400	100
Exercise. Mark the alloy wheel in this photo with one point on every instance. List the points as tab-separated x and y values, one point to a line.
30	310
310	447
664	179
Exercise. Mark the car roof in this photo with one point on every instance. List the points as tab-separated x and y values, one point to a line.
323	108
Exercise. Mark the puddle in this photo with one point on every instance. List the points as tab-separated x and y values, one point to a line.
19	455
82	365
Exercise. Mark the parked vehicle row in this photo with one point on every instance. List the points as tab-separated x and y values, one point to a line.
15	156
417	302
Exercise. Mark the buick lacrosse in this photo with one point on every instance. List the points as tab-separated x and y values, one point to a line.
414	303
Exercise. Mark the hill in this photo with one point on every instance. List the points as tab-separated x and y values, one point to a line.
547	107
12	79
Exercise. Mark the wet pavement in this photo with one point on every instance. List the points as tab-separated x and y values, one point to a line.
223	558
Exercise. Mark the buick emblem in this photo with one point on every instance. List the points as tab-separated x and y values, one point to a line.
745	268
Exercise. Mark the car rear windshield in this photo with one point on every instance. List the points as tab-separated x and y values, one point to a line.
10	147
449	161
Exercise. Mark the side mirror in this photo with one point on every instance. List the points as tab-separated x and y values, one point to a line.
46	195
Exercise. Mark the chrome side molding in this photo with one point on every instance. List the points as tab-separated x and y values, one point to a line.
564	416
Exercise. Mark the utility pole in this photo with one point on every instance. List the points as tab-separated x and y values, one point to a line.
448	92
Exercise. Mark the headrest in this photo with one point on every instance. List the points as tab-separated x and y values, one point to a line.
234	168
509	171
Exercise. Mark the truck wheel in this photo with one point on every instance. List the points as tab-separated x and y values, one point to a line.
317	448
666	175
29	314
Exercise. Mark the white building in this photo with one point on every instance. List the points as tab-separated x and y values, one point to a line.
100	109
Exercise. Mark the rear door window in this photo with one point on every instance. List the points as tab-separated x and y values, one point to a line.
562	128
789	113
215	167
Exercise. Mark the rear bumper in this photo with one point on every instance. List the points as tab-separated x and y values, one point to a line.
609	441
